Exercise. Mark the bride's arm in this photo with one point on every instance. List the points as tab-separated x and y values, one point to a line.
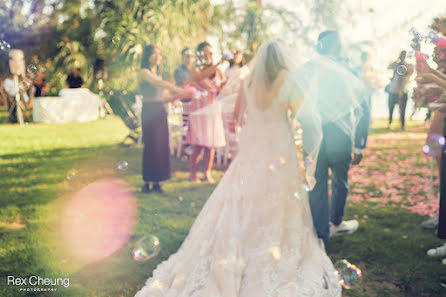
239	103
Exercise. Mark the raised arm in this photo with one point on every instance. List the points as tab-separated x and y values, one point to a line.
240	103
197	75
439	74
431	78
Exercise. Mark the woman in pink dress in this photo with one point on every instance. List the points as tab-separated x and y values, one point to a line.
206	131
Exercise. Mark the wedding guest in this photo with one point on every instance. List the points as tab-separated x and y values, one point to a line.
156	159
25	101
235	64
40	84
206	131
397	88
3	98
74	80
437	123
182	73
439	78
10	90
441	232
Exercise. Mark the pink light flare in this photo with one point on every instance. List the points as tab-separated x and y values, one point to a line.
98	220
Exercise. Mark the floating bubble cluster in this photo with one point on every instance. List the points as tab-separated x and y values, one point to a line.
347	273
434	145
146	248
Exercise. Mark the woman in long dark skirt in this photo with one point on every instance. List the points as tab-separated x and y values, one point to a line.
155	159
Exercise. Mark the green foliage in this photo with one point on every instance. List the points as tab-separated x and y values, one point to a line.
79	31
127	26
73	33
439	25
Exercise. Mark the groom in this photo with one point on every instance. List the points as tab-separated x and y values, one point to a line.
336	154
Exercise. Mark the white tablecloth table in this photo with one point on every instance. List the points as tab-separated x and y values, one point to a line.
73	105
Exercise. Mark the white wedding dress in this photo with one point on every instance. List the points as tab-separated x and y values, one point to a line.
254	236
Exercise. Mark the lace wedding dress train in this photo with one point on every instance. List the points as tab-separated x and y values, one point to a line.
254	236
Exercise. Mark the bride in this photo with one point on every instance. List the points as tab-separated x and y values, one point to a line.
254	236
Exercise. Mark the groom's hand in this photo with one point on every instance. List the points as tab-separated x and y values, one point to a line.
356	159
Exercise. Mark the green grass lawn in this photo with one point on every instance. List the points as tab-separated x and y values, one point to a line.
389	247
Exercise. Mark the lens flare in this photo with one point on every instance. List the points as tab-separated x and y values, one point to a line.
98	220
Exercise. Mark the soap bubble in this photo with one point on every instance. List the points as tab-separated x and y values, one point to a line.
297	196
347	273
434	145
4	46
123	166
401	70
31	69
146	248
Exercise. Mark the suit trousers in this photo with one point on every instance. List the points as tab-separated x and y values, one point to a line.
402	102
323	209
